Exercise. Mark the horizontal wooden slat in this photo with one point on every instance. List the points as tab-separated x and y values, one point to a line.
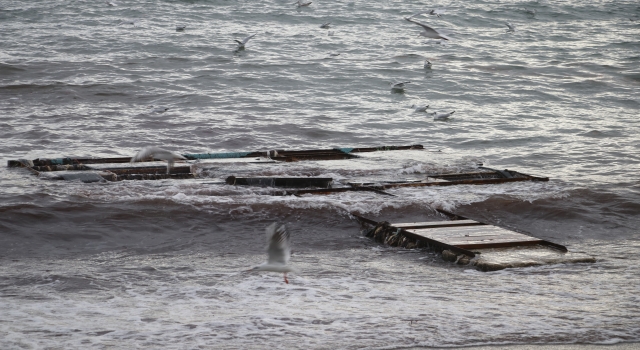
485	239
435	224
475	237
500	244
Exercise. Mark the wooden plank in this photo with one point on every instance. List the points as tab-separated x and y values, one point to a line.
473	230
476	237
386	148
484	239
460	182
469	231
435	224
324	182
501	245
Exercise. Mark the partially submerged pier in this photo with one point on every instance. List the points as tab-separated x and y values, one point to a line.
459	240
89	169
470	242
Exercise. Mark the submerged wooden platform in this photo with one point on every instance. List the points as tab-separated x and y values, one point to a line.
88	169
277	155
469	242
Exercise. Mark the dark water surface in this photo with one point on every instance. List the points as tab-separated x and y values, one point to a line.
159	264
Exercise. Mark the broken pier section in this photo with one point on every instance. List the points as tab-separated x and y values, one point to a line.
470	242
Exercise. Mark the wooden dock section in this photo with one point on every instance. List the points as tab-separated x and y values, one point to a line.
487	177
89	169
278	155
469	242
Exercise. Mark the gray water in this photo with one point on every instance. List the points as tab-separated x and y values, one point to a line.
159	264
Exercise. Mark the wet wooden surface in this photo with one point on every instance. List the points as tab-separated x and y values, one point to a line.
472	236
436	224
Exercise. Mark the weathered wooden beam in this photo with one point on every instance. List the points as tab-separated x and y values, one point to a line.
460	182
61	167
324	182
383	187
157	176
331	191
222	155
435	224
282	155
149	170
385	148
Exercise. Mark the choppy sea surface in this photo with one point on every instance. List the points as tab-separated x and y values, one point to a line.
159	264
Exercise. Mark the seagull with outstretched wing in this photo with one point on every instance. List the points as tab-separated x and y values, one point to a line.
157	153
244	41
511	27
278	251
428	31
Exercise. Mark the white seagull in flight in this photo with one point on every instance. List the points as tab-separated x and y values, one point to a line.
278	251
433	12
157	153
299	3
244	41
511	27
428	31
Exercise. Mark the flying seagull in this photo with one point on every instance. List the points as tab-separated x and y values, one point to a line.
441	116
299	3
244	41
157	153
399	86
325	25
511	27
133	22
111	3
427	64
433	12
181	27
278	251
428	31
437	12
